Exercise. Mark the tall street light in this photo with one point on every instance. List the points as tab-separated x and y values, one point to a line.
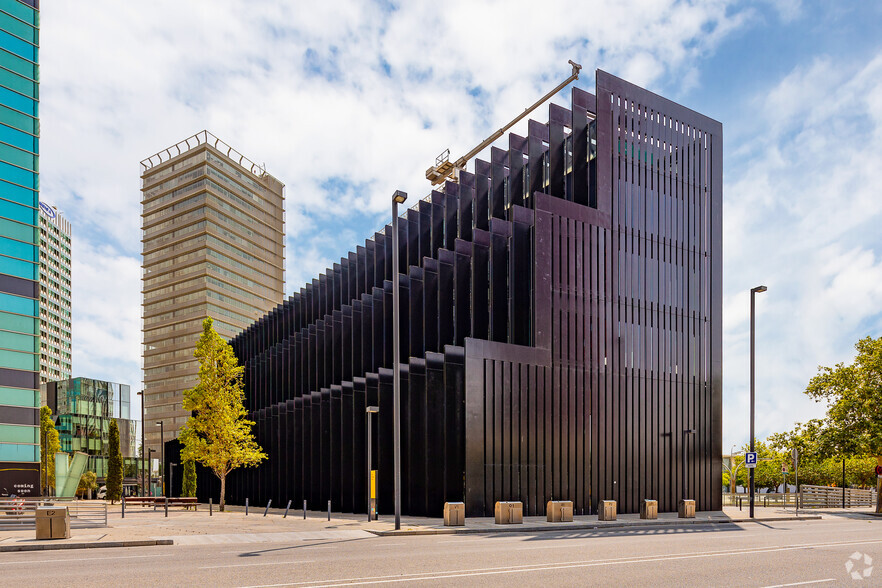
753	292
143	448
162	453
398	197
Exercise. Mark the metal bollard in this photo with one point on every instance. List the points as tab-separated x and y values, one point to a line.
123	502
210	508
285	516
329	511
269	502
246	507
304	510
166	507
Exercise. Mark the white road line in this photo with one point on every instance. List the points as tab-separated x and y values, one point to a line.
803	583
61	560
554	566
268	563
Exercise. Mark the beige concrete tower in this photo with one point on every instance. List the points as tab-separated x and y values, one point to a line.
213	245
55	295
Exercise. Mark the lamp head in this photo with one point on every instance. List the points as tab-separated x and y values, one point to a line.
371	409
759	289
399	197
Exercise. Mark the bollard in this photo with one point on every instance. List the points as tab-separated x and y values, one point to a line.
166	507
285	516
329	511
246	507
210	509
304	510
123	502
269	502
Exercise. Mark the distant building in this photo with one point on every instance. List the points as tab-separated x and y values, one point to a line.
83	409
55	295
213	245
19	247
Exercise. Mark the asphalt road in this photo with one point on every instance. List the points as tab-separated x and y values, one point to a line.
759	554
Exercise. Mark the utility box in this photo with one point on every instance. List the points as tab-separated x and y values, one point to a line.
454	514
53	522
606	510
687	509
649	509
509	513
559	511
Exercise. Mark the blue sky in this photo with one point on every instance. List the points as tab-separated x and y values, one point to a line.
797	86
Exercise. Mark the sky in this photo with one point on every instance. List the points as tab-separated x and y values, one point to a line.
797	86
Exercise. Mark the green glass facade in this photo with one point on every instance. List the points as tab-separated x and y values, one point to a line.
19	247
84	409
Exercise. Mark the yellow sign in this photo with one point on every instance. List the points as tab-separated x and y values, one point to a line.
373	483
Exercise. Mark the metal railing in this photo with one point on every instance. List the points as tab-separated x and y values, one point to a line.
18	514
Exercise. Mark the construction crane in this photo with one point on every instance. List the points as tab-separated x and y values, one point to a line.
444	168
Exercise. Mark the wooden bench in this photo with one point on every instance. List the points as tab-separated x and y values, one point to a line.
184	501
142	500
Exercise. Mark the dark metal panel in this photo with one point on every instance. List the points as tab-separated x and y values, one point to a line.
467	183
337	440
482	195
430	304
446	330
454	423
435	459
480	286
498	165
385	458
347	474
359	450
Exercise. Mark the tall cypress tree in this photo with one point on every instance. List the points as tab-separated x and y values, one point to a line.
188	487
114	465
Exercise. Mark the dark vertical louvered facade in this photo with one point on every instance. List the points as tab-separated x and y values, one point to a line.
560	330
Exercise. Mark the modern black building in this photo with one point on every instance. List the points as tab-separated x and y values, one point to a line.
560	330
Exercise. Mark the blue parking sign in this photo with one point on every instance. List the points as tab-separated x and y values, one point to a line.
750	459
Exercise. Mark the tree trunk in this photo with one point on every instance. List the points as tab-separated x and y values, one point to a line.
879	487
223	491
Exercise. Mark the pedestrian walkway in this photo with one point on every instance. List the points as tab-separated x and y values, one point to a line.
146	526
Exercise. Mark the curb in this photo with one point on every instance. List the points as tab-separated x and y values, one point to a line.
95	545
579	526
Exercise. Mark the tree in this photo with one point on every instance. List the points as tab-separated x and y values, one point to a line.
217	434
88	482
854	404
114	465
49	446
188	486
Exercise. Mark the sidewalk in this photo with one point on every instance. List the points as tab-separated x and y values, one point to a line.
142	526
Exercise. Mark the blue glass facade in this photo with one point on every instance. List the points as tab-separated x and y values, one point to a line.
19	247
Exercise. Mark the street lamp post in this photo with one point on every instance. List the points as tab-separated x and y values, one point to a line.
162	453
143	447
753	292
398	198
371	501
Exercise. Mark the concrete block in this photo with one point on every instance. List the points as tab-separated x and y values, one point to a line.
559	511
606	510
686	509
454	514
509	513
649	509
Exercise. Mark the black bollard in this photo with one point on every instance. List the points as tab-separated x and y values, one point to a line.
269	502
246	507
285	516
329	511
166	507
123	502
210	508
304	510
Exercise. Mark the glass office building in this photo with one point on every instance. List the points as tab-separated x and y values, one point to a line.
84	409
19	247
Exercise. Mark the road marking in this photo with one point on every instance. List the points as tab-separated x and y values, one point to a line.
57	560
420	576
268	563
802	583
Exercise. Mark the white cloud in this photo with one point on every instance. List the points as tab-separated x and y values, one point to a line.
802	217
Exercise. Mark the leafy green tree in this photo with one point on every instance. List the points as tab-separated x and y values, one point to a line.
88	482
853	394
49	445
188	486
114	465
218	434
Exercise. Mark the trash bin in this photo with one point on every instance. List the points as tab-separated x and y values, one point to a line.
559	511
687	509
606	510
649	509
454	514
509	513
53	522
